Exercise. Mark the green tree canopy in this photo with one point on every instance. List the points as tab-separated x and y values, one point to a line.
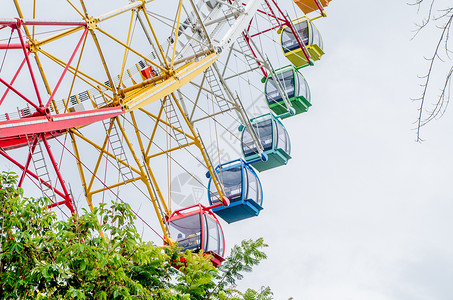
100	255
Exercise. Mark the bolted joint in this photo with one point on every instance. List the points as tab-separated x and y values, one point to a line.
45	111
33	46
18	23
92	23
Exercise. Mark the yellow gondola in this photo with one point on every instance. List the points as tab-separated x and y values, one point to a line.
308	6
309	36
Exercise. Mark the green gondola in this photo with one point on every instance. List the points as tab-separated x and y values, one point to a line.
275	141
294	86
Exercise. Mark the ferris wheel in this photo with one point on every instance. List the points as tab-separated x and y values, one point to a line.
141	103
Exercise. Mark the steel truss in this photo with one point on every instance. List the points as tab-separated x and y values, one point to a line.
153	76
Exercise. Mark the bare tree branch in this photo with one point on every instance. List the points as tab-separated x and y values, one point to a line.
439	107
424	21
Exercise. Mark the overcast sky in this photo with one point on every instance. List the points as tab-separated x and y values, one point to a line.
361	211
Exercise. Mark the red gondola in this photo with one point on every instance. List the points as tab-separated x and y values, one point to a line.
196	228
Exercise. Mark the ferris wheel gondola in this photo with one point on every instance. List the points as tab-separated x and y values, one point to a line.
308	35
274	139
119	114
308	6
197	229
243	189
294	86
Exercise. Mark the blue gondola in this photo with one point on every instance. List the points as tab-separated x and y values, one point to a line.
294	86
273	137
242	187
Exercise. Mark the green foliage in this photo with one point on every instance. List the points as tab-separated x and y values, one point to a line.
100	255
197	274
242	259
263	294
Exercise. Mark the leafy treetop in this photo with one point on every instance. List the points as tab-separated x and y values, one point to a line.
100	255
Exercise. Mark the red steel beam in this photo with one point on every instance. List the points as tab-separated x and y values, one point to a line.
31	173
27	163
15	22
12	80
272	11
13	46
264	31
288	23
29	65
54	23
67	197
19	141
41	124
66	68
19	93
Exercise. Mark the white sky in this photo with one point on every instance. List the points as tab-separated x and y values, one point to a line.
362	211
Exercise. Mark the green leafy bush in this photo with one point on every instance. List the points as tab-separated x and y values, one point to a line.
100	255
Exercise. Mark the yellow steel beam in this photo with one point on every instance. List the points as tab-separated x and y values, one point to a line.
126	138
130	76
202	150
80	168
93	103
168	124
155	37
201	88
164	224
139	165
133	5
154	201
84	8
153	179
181	77
66	104
34	17
43	75
176	34
104	63
110	187
130	49
75	8
170	150
106	152
125	49
151	81
73	71
21	15
76	70
54	105
98	162
58	36
156	125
